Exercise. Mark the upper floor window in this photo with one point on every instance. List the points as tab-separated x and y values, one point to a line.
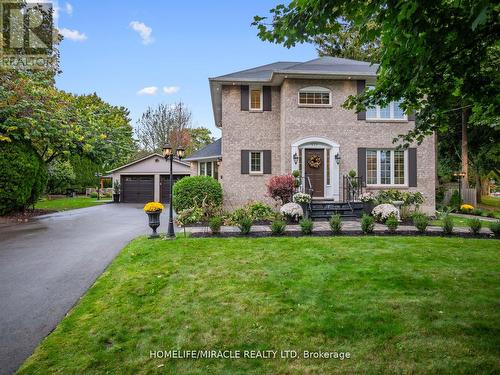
393	111
256	98
315	96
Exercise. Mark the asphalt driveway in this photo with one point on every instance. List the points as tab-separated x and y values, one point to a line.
48	264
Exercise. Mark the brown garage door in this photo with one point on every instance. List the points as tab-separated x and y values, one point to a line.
137	189
165	186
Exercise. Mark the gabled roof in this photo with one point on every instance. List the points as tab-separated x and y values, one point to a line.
211	151
325	67
145	158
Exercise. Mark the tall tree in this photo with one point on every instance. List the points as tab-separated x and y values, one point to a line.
200	137
344	40
164	124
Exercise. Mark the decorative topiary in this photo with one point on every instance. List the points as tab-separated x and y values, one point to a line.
192	191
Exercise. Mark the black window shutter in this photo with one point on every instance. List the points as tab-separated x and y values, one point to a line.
267	161
266	96
244	98
244	161
412	167
362	164
411	116
361	87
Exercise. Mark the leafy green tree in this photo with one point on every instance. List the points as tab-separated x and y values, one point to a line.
199	137
61	176
85	172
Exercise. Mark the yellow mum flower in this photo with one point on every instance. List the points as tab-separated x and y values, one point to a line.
153	207
466	207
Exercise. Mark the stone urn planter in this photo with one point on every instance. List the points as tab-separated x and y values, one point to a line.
153	210
305	209
368	208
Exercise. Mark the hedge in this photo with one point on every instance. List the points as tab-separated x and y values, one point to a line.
191	191
23	178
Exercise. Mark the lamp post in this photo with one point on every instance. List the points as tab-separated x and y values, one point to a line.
168	154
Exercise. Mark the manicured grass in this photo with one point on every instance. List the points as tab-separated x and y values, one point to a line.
461	222
399	305
63	204
493	202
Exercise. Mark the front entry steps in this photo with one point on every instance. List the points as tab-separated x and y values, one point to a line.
323	209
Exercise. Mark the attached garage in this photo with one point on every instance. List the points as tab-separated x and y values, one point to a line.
147	179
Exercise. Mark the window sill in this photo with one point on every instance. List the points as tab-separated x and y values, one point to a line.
315	106
386	120
256	173
387	186
255	110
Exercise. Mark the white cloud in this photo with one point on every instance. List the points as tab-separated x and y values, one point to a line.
169	90
69	8
143	31
73	35
151	90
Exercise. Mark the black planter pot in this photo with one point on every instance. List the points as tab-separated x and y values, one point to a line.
154	223
116	198
368	208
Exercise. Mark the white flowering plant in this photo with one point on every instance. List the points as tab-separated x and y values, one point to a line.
367	197
383	211
301	198
292	210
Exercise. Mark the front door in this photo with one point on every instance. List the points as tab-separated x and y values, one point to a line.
315	170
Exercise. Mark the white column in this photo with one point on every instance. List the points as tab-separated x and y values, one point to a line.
157	187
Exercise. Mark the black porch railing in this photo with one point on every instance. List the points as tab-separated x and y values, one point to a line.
352	188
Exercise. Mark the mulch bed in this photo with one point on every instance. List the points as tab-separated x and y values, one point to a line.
23	216
325	233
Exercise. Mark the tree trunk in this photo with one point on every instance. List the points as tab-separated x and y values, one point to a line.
465	149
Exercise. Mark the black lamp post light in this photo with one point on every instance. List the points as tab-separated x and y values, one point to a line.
168	154
460	175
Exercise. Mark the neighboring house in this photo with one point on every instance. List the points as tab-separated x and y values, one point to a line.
147	179
280	117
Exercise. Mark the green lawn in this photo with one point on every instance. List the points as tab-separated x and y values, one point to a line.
63	204
492	202
399	305
461	222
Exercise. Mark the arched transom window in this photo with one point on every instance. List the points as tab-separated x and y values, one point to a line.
315	96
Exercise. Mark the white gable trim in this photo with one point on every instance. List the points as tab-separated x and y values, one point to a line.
145	158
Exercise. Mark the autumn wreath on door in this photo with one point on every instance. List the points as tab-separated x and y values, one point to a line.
314	161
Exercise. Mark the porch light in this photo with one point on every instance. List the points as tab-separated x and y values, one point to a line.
295	158
219	161
337	158
167	150
180	152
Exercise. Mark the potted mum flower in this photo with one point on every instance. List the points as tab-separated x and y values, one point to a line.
153	209
368	200
304	200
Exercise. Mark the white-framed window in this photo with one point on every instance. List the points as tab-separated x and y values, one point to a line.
208	168
392	111
255	98
314	96
256	162
386	167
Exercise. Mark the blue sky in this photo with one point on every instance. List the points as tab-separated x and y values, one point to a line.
117	48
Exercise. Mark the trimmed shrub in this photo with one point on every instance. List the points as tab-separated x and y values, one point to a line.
215	223
420	221
335	224
306	226
23	178
281	188
192	191
495	228
392	223
477	212
474	225
278	227
367	224
245	224
260	211
447	224
93	195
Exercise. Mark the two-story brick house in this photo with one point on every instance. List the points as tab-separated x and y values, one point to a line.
288	116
